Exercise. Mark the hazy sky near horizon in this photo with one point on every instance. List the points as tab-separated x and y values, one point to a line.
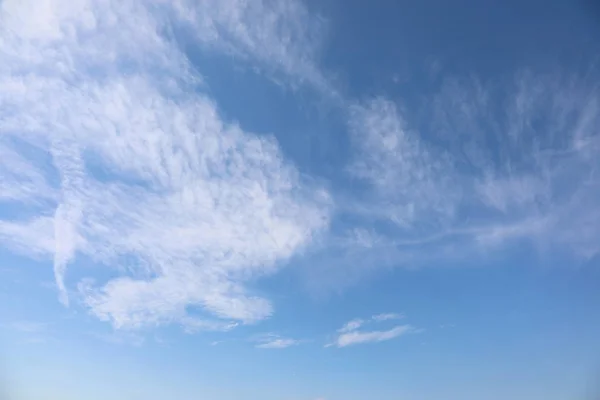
299	200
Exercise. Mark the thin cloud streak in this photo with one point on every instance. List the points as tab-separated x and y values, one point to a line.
278	344
350	334
386	317
356	337
274	341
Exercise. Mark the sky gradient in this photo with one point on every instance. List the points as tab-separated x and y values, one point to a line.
299	200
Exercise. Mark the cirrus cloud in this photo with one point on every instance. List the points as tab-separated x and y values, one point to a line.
350	334
125	163
274	341
114	155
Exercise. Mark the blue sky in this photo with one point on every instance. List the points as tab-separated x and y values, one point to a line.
287	200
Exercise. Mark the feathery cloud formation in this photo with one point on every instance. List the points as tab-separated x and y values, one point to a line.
487	166
113	155
137	171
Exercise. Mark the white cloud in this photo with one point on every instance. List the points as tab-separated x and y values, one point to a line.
33	185
351	325
349	334
278	344
139	172
279	35
144	176
193	325
34	236
356	337
487	166
357	323
386	317
273	341
410	180
514	192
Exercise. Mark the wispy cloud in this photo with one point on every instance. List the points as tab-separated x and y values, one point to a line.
280	36
351	325
358	322
31	332
29	327
350	334
356	337
409	179
486	167
274	341
387	317
142	172
278	344
194	325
